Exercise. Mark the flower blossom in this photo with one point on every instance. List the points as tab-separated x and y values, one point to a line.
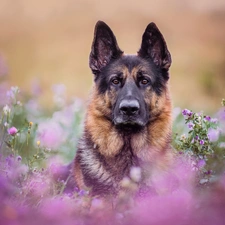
201	163
12	131
214	120
191	125
187	112
207	118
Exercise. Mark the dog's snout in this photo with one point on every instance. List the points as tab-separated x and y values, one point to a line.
129	107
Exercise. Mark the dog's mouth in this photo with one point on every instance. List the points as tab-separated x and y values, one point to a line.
129	124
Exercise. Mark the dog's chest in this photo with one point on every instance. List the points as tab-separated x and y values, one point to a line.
120	165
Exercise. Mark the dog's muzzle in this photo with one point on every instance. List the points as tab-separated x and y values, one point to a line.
127	114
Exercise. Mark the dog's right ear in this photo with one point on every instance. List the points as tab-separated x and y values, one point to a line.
154	46
104	48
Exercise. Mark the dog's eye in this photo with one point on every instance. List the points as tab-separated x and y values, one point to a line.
144	81
115	81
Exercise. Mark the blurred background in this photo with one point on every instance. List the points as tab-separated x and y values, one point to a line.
48	42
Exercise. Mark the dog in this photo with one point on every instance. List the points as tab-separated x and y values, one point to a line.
128	119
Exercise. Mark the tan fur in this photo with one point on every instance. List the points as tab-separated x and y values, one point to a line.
103	133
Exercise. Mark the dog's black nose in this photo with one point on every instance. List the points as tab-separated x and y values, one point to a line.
129	107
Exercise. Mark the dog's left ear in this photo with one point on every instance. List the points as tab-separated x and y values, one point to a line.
154	46
104	48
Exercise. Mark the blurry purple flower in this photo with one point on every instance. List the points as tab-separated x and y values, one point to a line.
201	142
213	134
221	114
19	158
191	125
185	112
196	137
83	193
208	172
201	163
222	145
12	131
208	118
50	134
12	92
97	203
214	120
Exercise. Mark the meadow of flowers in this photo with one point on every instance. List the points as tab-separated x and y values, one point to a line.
36	145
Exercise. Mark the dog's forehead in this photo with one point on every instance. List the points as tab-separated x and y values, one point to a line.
130	65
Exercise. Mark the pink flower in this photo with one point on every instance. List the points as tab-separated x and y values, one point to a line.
12	131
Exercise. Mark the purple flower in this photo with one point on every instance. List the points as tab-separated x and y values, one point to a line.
208	118
214	120
12	92
196	137
19	158
83	193
12	131
221	114
191	125
187	112
213	134
50	134
208	172
201	142
201	163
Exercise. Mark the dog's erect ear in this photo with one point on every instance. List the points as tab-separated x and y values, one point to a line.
154	46
104	47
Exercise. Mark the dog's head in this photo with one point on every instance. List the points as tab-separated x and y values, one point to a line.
132	86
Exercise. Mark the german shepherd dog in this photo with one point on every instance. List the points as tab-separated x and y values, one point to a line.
128	121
